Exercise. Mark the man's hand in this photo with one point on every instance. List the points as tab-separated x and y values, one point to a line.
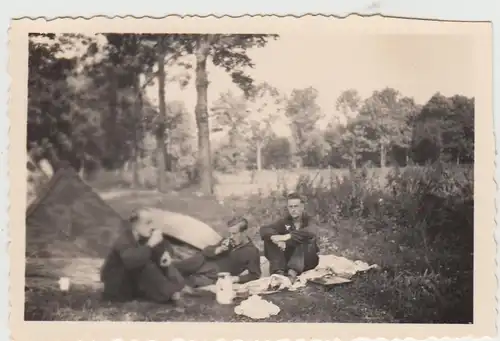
176	296
223	247
166	259
187	290
235	279
155	239
278	238
281	245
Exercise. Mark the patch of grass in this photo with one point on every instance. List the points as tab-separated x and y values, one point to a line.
312	304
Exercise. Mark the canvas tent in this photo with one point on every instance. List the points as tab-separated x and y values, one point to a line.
70	221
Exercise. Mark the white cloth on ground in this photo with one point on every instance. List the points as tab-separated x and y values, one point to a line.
331	270
256	308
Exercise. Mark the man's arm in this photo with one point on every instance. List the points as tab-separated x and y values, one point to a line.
160	248
304	234
253	268
133	255
267	231
300	236
212	251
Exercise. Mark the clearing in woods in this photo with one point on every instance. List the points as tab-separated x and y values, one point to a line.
350	302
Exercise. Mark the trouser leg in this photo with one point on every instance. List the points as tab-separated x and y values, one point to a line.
206	275
157	286
303	258
198	271
190	265
275	256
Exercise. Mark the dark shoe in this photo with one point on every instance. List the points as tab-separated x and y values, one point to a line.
181	303
187	290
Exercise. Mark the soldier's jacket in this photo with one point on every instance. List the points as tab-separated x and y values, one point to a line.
306	234
124	264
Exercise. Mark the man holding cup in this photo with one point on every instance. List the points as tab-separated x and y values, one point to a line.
139	265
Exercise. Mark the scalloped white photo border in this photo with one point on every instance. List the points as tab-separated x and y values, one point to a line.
446	10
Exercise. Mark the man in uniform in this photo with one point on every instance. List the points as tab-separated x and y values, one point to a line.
290	244
236	255
139	266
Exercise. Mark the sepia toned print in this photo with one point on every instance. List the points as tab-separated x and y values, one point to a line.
334	175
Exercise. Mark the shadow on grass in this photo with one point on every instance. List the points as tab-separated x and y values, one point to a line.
311	304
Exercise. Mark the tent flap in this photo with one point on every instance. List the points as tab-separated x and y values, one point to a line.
70	220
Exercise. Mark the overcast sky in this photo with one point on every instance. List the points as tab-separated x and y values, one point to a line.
418	66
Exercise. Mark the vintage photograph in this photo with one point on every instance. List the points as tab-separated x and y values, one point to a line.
286	176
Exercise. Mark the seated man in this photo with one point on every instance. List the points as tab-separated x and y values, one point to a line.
290	244
236	255
138	266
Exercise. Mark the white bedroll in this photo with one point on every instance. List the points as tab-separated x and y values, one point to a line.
184	228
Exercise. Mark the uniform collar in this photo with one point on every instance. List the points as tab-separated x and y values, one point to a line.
304	220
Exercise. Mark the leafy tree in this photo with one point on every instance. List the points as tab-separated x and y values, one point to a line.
168	50
304	112
317	149
333	137
446	123
458	130
401	142
134	57
178	140
356	140
248	121
277	153
384	119
63	120
180	137
228	51
230	113
348	104
265	104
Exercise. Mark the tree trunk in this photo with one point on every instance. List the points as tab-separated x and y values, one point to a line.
259	156
161	154
204	157
382	156
137	132
111	119
81	172
135	168
353	156
166	155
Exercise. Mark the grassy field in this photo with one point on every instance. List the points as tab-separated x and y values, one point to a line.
267	181
415	223
243	183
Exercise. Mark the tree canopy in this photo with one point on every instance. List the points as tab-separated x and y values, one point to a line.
87	106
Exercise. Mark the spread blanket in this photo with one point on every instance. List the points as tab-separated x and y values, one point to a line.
331	270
